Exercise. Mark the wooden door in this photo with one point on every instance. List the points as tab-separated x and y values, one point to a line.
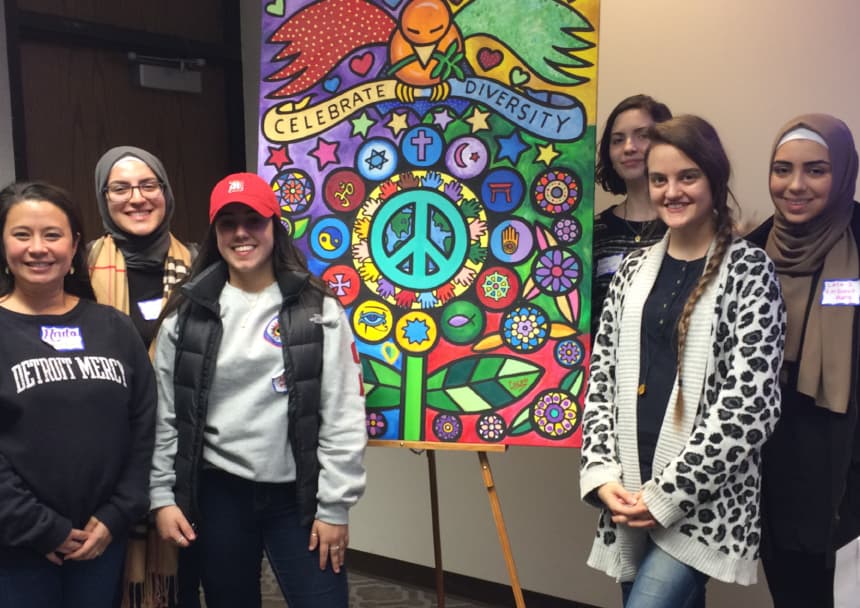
78	98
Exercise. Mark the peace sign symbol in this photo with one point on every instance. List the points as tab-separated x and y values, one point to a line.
419	239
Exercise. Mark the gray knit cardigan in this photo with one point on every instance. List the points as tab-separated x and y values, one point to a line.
705	490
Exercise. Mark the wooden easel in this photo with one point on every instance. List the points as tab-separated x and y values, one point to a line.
495	505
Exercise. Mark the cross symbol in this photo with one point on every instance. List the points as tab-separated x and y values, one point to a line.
340	284
421	141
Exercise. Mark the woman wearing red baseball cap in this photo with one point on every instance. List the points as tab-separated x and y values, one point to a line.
260	431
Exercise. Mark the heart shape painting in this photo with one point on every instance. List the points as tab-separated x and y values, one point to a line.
331	84
488	58
361	64
519	77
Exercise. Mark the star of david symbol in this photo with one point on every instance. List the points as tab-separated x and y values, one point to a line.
377	159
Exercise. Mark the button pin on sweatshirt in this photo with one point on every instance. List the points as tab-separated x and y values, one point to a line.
272	333
279	383
62	338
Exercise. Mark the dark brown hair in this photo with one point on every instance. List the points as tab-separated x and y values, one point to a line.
698	140
285	257
78	282
604	172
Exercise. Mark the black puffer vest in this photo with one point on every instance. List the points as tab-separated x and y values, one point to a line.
198	339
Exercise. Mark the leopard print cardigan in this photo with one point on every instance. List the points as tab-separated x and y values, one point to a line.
705	490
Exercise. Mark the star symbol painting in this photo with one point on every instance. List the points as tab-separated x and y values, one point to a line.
511	147
398	123
547	154
361	125
478	120
325	153
442	119
278	157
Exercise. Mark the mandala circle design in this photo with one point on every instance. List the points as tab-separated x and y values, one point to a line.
557	270
497	287
447	427
525	328
491	427
569	353
376	424
418	240
557	191
555	415
294	190
567	230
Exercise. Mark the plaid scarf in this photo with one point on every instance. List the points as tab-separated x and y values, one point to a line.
150	564
108	274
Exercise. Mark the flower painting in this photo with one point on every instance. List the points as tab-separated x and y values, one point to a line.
434	160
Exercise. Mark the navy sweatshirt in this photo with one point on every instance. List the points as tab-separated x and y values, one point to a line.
77	413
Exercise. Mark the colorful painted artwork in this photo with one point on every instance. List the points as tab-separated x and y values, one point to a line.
435	160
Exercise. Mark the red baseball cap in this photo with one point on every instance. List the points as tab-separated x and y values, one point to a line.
246	188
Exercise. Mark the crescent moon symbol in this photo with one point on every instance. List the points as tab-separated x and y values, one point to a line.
458	155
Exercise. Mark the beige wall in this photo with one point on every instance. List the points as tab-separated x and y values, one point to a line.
745	65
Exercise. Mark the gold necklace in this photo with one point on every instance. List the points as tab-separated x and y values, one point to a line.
637	234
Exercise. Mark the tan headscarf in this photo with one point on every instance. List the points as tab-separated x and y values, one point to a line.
823	347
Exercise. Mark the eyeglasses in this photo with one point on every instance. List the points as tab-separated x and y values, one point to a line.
121	192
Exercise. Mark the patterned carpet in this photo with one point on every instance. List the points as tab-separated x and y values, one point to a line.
368	592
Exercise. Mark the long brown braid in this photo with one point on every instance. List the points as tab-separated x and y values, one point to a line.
698	140
724	238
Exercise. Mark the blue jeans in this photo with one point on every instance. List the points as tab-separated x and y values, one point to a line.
664	582
31	581
239	519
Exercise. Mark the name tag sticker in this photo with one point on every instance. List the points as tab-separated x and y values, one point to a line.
841	292
150	309
63	338
279	383
609	265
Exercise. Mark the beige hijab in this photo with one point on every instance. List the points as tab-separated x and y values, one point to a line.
820	337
